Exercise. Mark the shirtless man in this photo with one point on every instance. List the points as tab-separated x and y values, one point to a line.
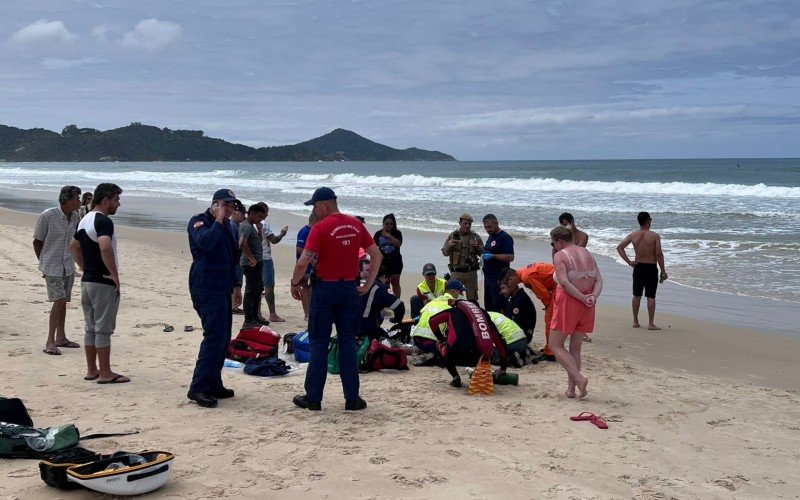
578	237
647	246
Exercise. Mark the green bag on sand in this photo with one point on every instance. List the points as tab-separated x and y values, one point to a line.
333	356
19	441
361	353
362	345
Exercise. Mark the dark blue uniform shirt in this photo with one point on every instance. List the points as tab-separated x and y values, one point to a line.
500	243
213	248
372	304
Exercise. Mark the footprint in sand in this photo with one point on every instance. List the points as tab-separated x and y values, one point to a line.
378	460
453	453
19	351
731	483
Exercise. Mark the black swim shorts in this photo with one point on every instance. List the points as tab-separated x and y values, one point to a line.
645	277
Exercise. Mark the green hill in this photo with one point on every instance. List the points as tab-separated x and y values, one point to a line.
346	145
138	142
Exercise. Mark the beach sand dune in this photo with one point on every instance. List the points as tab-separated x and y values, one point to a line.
673	433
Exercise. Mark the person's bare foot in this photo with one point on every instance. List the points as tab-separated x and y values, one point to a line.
635	324
274	318
582	386
653	327
569	393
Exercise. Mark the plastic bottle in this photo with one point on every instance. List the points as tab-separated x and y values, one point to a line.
229	363
115	466
136	459
41	442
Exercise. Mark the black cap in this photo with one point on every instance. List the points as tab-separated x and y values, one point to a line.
321	194
428	269
224	195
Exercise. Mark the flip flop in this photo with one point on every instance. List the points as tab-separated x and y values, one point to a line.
70	345
188	328
583	416
92	378
599	422
168	328
53	351
115	380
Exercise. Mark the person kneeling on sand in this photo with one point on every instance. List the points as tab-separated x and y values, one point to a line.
579	285
514	337
375	302
471	334
421	333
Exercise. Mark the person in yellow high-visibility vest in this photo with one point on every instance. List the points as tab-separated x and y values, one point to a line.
516	342
428	289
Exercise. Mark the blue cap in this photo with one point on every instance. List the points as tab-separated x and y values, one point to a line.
321	194
224	195
454	285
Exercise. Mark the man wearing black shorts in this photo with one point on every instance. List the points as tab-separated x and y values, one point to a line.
649	258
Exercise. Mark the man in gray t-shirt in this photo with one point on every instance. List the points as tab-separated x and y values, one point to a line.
51	238
252	265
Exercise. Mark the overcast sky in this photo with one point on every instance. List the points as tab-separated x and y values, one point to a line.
480	79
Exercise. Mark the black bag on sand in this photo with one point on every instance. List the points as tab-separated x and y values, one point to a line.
13	411
53	470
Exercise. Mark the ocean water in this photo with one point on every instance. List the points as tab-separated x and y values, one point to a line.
727	225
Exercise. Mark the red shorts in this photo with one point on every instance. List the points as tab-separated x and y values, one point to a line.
571	315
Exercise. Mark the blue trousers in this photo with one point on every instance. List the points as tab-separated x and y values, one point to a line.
493	300
333	302
215	315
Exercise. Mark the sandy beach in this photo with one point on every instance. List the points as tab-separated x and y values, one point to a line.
698	410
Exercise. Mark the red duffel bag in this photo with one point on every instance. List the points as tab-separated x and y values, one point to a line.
255	343
380	357
263	335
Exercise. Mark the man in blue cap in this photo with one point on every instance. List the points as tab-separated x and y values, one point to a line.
334	241
212	278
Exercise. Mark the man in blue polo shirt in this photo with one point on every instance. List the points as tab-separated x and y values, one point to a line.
498	253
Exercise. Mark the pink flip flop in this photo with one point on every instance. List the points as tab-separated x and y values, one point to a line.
599	422
583	416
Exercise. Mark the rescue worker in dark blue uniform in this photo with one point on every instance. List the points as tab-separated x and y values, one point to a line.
374	302
212	278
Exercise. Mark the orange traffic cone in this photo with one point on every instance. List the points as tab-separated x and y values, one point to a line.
481	382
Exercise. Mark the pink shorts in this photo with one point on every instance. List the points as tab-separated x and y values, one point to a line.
571	315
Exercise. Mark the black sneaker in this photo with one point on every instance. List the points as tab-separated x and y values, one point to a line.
549	357
203	399
222	393
456	382
302	401
355	404
518	361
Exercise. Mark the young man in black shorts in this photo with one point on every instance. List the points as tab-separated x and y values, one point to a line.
649	258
